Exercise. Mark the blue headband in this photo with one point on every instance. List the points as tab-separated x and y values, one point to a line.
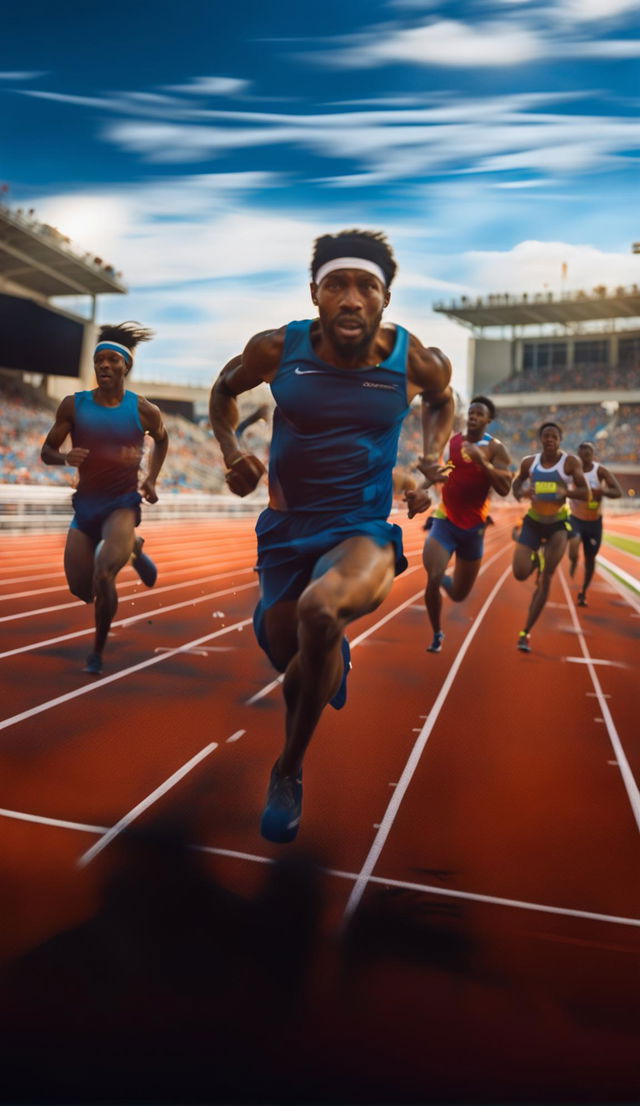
123	350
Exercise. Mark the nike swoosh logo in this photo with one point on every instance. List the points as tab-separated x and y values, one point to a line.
305	372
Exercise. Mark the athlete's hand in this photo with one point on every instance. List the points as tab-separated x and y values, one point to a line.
562	490
472	452
434	472
244	473
417	500
148	490
76	456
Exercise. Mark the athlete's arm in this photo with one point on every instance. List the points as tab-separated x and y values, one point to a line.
612	489
496	465
258	362
62	427
579	488
429	376
521	478
151	419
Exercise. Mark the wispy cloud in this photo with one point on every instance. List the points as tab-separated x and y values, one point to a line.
21	75
212	86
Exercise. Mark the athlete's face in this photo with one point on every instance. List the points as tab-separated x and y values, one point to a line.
350	304
585	453
550	439
478	419
110	368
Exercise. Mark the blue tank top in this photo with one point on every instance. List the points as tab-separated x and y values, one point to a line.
335	431
114	436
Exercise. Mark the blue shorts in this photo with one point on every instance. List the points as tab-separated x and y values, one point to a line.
534	533
290	546
91	513
468	545
590	532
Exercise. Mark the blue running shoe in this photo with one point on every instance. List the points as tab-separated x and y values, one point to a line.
436	644
340	696
143	565
93	664
524	642
283	810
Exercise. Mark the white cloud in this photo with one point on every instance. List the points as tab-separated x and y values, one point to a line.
534	266
588	11
442	43
18	75
212	86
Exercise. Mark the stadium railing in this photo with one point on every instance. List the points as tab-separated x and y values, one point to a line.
45	507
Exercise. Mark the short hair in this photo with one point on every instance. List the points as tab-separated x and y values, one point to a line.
545	425
589	445
127	334
371	245
488	403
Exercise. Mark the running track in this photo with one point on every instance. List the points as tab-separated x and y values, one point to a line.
492	793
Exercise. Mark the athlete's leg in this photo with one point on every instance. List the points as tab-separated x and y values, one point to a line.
554	549
523	563
573	549
79	563
464	577
348	582
112	553
435	559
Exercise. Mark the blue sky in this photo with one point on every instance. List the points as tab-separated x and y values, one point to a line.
201	148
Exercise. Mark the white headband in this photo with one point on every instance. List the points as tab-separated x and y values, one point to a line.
351	263
124	350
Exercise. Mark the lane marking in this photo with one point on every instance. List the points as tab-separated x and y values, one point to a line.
595	660
633	583
416	753
144	804
235	854
625	769
103	681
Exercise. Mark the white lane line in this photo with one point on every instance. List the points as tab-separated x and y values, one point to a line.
416	753
625	769
145	803
129	620
58	823
137	595
235	854
102	681
616	585
633	583
595	660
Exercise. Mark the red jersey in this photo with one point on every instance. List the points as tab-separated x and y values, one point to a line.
465	494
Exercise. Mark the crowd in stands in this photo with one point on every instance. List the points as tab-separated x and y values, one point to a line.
29	220
581	377
194	462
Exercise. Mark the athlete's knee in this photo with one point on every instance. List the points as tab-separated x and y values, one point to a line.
318	620
81	591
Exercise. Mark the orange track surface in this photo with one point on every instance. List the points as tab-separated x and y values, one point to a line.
476	813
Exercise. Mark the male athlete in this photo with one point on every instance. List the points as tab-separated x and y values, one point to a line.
342	383
107	426
547	476
586	518
477	463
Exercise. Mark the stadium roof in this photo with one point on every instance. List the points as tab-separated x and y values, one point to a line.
40	259
545	307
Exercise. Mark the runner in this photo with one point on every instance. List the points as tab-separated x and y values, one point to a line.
327	555
107	426
477	463
586	518
545	527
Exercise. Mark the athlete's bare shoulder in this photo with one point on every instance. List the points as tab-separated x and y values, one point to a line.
428	368
263	352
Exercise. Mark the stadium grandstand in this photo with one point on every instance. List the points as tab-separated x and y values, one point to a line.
573	358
